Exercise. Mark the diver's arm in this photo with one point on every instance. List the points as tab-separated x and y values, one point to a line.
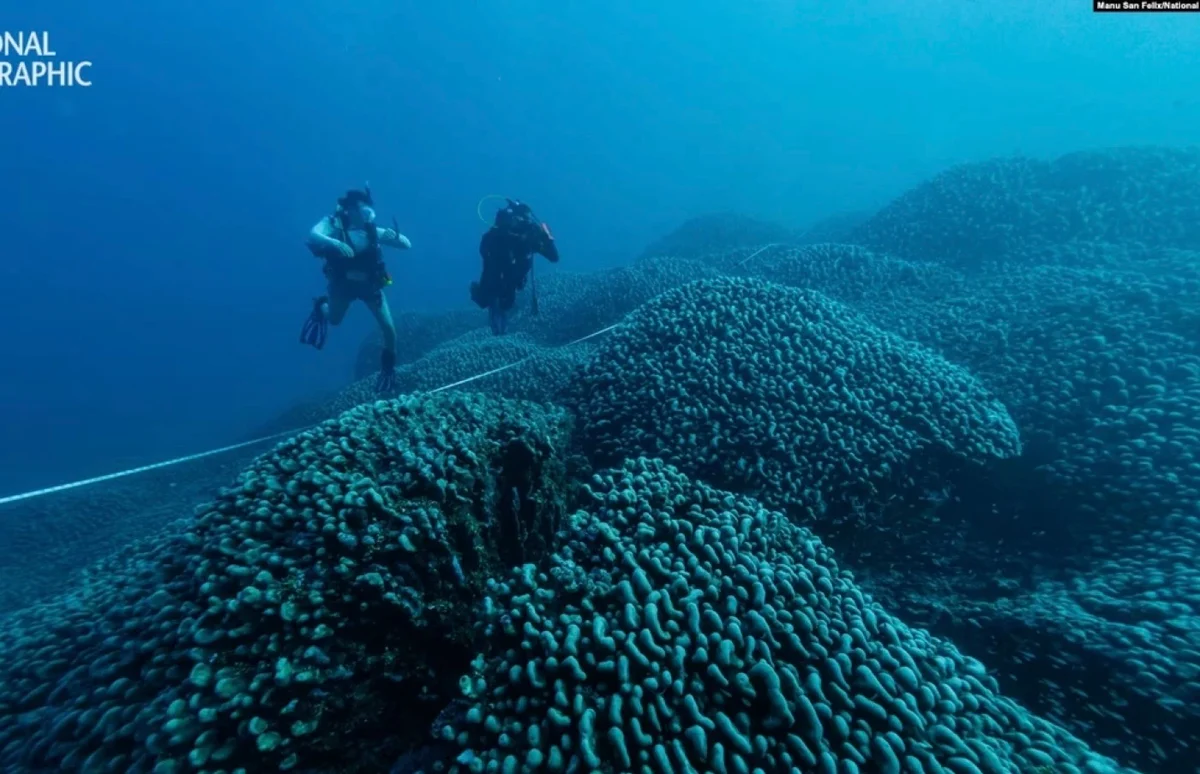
390	237
544	244
320	237
549	249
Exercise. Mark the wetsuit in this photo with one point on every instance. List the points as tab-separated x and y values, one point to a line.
507	253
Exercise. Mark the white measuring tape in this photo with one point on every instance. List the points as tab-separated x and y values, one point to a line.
244	444
756	252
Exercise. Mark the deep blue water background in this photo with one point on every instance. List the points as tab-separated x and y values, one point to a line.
153	277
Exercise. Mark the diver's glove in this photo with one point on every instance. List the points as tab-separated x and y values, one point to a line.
316	327
387	382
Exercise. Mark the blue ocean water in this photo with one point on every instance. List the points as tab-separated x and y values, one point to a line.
154	276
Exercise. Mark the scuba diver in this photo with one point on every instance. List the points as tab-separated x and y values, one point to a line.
507	249
351	244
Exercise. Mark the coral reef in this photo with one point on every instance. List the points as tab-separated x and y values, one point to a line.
988	211
326	594
681	628
786	394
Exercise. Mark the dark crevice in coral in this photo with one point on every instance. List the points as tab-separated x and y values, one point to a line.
394	709
524	528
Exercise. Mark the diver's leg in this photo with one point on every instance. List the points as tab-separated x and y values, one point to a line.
383	315
378	305
339	302
508	300
494	317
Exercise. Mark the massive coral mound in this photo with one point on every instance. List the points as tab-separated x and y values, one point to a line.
988	211
680	628
785	393
706	236
328	593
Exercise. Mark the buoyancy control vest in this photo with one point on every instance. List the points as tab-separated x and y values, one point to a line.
367	266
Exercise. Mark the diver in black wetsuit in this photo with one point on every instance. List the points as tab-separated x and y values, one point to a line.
507	249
